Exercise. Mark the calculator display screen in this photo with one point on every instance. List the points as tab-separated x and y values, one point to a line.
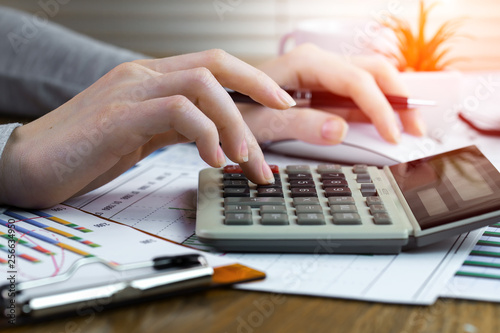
449	187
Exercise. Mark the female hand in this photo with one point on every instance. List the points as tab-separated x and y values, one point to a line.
364	79
133	110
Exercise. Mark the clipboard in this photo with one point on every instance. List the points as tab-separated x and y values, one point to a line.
93	281
175	275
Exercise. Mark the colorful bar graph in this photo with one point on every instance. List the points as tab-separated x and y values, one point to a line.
49	228
20	255
48	240
3	261
479	275
60	221
28	244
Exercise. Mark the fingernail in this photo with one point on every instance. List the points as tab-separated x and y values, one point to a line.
244	151
268	174
286	98
334	130
396	134
221	159
422	128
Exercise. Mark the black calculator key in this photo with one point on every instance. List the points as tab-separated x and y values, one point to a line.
333	176
334	183
234	176
236	192
275	185
269	192
303	192
302	183
234	183
337	192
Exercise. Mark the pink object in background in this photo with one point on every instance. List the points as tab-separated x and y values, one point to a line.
344	36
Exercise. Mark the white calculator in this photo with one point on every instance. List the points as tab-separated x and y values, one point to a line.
329	208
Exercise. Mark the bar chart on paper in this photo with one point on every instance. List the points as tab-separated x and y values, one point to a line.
154	198
37	244
479	276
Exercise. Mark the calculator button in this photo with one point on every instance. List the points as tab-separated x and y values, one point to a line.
377	209
310	219
234	183
274	168
238	219
303	192
269	192
236	192
274	219
234	168
335	183
254	202
346	218
363	178
329	168
340	200
337	192
344	209
333	176
272	209
305	201
302	183
381	218
234	176
368	190
237	209
275	185
360	168
309	209
293	169
373	201
299	176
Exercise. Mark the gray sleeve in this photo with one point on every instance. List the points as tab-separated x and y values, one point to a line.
5	132
43	65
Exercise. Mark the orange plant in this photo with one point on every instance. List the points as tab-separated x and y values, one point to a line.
414	52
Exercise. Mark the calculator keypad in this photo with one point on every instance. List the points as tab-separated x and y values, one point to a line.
305	196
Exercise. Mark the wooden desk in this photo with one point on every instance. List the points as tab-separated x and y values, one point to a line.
251	312
229	310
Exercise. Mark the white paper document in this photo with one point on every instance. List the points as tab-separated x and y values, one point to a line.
159	196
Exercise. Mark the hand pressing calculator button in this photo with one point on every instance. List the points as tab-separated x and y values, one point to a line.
329	208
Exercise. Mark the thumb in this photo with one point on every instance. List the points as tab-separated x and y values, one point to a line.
309	125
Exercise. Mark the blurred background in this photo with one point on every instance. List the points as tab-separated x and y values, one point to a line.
252	29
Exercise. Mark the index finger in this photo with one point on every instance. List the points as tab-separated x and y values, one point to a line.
230	72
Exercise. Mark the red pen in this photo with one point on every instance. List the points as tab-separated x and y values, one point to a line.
315	99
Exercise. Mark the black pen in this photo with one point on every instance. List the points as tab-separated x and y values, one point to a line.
315	99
